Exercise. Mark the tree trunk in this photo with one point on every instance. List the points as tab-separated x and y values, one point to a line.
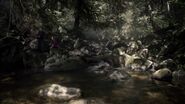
77	14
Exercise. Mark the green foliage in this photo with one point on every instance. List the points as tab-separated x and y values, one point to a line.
157	23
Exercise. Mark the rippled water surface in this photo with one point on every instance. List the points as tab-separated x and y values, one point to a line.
139	89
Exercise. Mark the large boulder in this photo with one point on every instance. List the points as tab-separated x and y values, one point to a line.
58	92
163	74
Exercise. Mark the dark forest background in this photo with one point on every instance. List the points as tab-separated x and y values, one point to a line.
31	31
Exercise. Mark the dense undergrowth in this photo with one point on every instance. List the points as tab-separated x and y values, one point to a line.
32	30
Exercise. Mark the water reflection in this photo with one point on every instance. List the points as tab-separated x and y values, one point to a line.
137	90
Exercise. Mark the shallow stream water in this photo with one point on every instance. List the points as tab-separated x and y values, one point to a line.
139	89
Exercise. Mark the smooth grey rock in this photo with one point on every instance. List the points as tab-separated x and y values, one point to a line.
163	74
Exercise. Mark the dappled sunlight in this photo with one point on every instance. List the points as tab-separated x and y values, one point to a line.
140	77
7	79
154	95
136	89
92	52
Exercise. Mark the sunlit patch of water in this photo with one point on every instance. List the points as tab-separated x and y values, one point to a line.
139	89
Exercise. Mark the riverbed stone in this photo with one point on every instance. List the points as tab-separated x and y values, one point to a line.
58	92
163	74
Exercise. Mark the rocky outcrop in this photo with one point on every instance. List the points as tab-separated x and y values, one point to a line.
128	59
105	70
58	92
163	74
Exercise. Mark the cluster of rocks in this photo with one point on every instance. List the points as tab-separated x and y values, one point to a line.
162	71
137	63
166	71
175	78
106	70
